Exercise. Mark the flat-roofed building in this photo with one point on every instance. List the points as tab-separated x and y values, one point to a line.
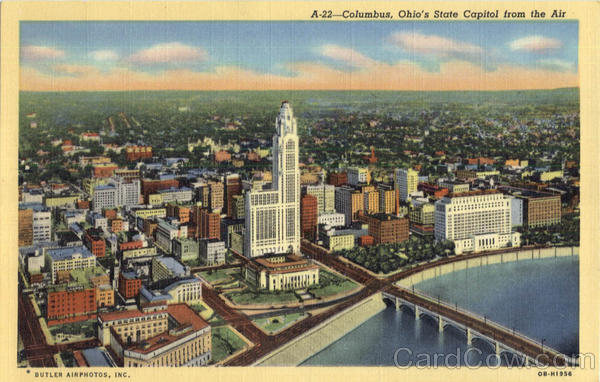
325	194
334	219
129	284
475	221
188	343
386	228
336	240
178	195
454	186
539	209
387	199
68	259
131	326
70	303
406	181
147	213
349	201
167	268
25	234
166	233
212	251
185	249
358	176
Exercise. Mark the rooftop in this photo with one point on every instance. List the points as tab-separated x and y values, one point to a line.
96	357
525	192
36	207
65	253
85	274
472	193
173	265
122	315
188	321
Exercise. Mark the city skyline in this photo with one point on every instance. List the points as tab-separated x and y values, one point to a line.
88	56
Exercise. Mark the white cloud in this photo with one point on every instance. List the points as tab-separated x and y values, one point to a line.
556	64
347	56
39	53
434	45
535	44
166	53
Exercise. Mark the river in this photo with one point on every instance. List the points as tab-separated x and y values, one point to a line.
539	298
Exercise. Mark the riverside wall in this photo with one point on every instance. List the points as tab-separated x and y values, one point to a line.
313	341
496	258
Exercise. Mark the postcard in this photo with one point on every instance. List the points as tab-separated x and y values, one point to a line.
283	190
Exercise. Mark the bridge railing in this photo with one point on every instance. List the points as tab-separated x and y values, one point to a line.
485	319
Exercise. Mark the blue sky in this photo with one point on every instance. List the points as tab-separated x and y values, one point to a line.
276	48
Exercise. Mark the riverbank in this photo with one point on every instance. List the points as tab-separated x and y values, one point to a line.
323	335
498	258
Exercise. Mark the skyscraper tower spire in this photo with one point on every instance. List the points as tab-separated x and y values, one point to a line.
273	216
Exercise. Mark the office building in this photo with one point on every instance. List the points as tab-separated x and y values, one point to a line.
325	194
334	219
308	216
65	259
273	216
475	221
385	228
349	201
164	268
212	251
407	181
538	209
25	227
187	344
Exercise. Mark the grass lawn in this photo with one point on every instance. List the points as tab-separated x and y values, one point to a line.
250	296
330	284
85	328
224	343
220	275
206	313
274	324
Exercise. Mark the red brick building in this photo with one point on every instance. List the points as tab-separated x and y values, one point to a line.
151	186
366	240
94	242
180	213
233	187
386	228
208	224
116	225
104	170
70	304
83	204
110	214
129	285
337	178
131	245
308	216
433	190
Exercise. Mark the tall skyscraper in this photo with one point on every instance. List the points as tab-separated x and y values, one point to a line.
407	181
273	216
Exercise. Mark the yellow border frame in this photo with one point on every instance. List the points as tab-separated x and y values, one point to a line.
12	12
